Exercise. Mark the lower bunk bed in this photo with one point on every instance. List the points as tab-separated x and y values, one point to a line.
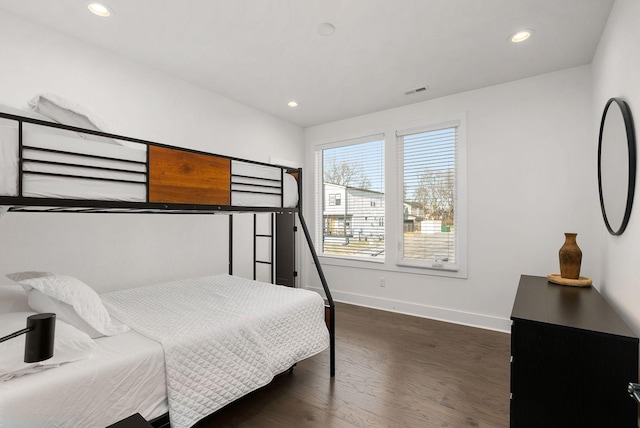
193	347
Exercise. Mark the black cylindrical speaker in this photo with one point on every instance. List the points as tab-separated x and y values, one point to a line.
40	338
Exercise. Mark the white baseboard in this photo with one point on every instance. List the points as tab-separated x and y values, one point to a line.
431	312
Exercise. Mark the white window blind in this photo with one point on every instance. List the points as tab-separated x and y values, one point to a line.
427	171
350	198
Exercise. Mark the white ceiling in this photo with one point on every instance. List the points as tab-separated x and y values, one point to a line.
265	53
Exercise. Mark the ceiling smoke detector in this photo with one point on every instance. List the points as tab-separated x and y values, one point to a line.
326	29
417	90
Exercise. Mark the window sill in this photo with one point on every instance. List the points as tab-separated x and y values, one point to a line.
348	261
438	266
383	265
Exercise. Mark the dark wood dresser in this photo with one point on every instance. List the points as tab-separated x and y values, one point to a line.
572	358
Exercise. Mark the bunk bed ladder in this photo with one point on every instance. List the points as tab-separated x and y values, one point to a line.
270	237
330	309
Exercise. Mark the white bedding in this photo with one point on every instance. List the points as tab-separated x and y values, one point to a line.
223	336
125	375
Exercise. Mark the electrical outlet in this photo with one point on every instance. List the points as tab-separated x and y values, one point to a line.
382	282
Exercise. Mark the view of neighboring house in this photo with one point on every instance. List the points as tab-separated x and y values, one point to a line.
360	214
413	216
351	213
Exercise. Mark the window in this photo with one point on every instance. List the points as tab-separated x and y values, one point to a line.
419	226
350	195
334	199
427	172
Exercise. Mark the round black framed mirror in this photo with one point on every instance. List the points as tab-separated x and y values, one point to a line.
616	165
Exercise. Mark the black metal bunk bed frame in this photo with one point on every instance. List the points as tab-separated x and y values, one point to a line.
36	204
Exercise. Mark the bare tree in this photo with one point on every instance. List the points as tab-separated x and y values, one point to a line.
365	183
342	173
436	194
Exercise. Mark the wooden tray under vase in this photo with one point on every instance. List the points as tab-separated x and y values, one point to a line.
583	281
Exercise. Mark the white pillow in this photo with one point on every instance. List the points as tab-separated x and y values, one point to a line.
34	115
40	302
67	112
70	345
13	298
83	302
25	113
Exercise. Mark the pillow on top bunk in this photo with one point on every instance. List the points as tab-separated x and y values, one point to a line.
26	113
32	115
67	112
70	345
71	300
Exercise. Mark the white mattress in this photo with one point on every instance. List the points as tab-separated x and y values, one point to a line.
253	185
223	336
124	376
54	186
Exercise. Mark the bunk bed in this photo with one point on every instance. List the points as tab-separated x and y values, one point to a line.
51	167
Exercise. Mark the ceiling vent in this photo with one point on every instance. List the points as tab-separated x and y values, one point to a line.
417	90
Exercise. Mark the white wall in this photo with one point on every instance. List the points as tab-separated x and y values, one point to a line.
112	252
531	176
616	71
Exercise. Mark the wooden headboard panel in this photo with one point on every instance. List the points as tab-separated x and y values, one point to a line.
178	176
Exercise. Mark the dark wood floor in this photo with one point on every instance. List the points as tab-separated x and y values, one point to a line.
392	371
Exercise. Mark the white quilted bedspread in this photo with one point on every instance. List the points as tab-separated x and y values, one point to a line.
223	336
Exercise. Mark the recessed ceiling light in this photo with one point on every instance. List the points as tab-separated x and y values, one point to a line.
99	9
521	36
326	29
292	104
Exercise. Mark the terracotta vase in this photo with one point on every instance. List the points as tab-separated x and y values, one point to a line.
570	257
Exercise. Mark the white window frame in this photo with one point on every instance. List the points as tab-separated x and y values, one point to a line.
459	268
394	213
336	258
